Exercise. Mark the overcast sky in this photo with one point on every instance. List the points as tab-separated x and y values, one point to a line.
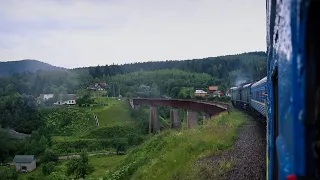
76	33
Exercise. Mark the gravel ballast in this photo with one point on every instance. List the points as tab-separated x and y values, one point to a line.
248	155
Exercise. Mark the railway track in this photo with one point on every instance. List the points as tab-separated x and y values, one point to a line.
249	153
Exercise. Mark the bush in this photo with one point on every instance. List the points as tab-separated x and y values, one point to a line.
77	146
200	98
223	99
67	121
80	167
49	156
8	173
219	99
120	145
141	117
114	132
48	168
134	140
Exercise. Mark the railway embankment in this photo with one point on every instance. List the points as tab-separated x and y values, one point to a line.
248	155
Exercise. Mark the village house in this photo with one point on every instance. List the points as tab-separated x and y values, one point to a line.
46	96
213	89
200	93
66	99
63	99
217	94
95	88
98	86
102	84
25	162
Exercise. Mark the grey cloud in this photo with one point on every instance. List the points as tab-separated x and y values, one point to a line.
82	33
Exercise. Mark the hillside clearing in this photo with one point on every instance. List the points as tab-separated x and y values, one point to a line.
104	164
116	113
116	125
68	121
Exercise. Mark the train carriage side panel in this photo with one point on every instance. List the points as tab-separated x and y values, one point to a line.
233	95
236	92
241	102
292	38
245	95
258	96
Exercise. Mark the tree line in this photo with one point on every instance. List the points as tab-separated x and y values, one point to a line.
231	68
226	70
158	83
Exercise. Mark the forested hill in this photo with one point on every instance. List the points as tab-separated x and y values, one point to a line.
13	67
233	69
224	71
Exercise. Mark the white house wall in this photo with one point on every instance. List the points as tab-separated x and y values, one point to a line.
30	166
47	96
69	102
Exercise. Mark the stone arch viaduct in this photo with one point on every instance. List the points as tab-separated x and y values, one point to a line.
193	108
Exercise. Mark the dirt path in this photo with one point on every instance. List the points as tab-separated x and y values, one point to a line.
248	155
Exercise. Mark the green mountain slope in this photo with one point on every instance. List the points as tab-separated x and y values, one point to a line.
13	67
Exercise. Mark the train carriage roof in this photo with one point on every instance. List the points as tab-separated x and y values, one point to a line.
263	80
247	85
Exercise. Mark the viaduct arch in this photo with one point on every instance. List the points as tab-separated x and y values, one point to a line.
193	108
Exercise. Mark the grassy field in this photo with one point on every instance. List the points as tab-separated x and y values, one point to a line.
172	154
102	164
116	125
117	113
115	121
68	121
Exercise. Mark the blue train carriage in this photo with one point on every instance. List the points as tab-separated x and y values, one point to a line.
259	97
293	89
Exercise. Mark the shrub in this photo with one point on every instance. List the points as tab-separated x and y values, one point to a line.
48	168
49	156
